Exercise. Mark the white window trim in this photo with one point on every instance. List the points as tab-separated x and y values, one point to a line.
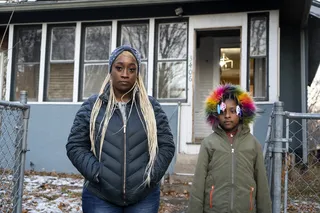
76	71
9	65
61	61
274	56
94	61
42	62
244	49
114	30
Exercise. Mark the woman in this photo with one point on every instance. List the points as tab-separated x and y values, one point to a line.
121	142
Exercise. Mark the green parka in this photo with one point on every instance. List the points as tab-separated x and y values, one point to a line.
230	177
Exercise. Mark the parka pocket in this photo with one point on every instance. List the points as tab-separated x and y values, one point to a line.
251	198
211	195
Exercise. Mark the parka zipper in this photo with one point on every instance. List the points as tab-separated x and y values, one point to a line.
232	177
251	198
211	195
124	162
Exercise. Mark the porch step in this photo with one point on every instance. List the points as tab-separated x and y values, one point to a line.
186	163
175	189
180	178
177	184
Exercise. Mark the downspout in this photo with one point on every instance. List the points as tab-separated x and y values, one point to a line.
304	100
304	72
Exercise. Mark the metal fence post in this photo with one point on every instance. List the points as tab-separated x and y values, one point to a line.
277	150
17	165
23	150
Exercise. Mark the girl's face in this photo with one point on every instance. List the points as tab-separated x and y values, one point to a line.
229	119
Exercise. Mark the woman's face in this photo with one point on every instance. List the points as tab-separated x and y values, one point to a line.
124	72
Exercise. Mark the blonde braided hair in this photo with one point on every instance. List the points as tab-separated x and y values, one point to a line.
147	115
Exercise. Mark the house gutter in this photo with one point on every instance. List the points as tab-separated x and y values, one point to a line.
306	12
54	5
315	9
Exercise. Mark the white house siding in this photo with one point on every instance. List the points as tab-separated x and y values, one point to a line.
199	22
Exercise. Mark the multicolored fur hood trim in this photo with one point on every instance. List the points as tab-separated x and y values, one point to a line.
245	102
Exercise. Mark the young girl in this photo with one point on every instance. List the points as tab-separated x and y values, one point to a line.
230	175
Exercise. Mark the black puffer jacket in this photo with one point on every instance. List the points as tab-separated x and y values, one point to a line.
118	178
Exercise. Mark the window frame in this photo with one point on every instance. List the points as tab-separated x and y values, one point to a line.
265	15
156	60
119	25
48	60
83	62
14	62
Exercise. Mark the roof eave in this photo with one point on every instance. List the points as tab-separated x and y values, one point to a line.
315	10
83	4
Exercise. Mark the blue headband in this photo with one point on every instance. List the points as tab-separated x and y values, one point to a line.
115	53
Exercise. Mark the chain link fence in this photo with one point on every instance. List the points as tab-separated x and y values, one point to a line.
302	165
13	143
292	157
267	149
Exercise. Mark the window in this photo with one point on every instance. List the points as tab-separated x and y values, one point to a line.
60	63
136	35
258	56
230	65
96	45
26	62
171	61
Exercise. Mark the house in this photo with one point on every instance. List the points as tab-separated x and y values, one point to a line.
58	51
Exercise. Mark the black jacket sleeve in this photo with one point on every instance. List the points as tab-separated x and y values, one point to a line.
78	146
166	144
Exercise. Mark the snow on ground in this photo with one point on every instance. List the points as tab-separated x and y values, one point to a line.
61	193
52	194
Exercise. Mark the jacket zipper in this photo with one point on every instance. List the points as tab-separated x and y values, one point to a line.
232	177
211	195
124	162
251	198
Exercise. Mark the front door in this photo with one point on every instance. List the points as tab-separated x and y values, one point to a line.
218	61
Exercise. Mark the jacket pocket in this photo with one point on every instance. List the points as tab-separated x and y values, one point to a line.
251	198
211	195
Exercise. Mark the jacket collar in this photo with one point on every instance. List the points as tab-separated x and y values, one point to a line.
242	130
106	92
